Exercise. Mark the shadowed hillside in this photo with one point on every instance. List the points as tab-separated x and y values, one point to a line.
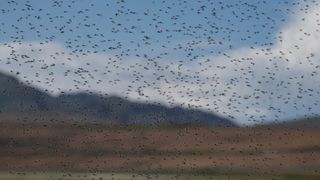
18	101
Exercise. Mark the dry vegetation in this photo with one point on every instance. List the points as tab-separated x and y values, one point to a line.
99	148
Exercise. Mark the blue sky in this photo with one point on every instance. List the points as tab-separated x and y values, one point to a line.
240	59
235	21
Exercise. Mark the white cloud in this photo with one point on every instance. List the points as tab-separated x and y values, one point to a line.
253	85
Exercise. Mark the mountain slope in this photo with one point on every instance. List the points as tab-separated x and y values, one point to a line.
19	101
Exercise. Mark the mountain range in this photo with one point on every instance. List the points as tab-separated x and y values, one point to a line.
21	102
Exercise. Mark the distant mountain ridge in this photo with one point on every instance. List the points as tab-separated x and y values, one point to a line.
308	122
20	101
